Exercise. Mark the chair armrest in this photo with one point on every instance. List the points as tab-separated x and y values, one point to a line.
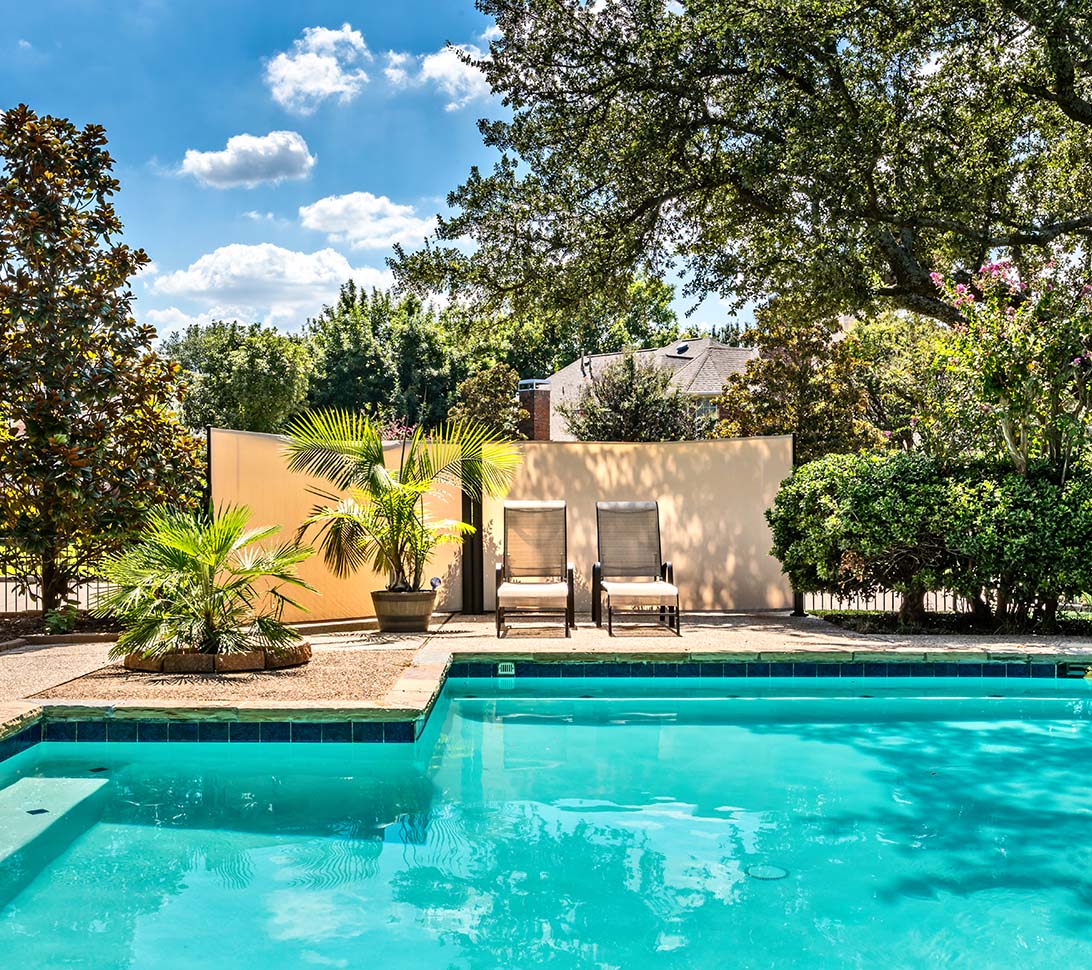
500	574
667	572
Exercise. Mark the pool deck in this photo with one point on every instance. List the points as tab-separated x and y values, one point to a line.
366	676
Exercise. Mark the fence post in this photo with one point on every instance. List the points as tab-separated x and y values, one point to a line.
208	470
473	561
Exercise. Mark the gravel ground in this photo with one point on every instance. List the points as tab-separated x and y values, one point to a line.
344	674
26	670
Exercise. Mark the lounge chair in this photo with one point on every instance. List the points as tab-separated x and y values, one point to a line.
630	572
535	577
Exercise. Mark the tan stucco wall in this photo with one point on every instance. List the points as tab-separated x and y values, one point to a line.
250	469
712	495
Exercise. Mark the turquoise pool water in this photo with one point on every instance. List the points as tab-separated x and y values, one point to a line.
579	824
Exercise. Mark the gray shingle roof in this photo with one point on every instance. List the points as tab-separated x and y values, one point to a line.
701	364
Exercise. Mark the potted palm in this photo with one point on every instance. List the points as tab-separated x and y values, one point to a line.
380	520
202	592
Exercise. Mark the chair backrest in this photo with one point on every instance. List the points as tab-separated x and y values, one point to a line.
629	538
535	540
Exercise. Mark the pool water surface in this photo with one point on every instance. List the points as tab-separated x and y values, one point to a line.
577	824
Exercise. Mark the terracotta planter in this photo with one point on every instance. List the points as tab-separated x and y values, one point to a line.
189	663
403	612
148	665
292	657
233	663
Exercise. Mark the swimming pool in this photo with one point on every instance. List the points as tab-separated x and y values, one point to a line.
571	823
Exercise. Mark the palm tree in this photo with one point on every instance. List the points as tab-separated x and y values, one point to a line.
201	582
382	523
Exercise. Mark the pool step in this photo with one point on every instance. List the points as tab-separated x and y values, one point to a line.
39	817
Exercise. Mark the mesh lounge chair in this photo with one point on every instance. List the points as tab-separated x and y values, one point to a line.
535	578
630	572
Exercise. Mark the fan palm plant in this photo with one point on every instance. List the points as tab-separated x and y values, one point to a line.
202	583
382	522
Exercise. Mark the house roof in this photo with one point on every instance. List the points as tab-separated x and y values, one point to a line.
701	365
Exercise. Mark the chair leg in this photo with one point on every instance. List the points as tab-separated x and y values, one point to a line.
610	618
500	620
678	619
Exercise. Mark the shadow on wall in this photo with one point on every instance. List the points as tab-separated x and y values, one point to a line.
712	494
251	469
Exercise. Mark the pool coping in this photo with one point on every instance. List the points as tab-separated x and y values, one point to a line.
402	714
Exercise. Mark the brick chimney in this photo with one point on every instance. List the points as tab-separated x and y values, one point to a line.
534	398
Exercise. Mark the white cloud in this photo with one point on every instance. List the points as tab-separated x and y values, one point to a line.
171	319
461	82
366	221
25	44
398	67
252	159
492	32
442	70
265	282
322	64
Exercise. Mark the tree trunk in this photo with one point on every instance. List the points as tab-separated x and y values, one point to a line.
913	607
1050	614
54	582
980	609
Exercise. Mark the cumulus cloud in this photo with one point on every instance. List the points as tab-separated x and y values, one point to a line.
265	282
444	71
322	64
366	221
250	160
171	319
400	66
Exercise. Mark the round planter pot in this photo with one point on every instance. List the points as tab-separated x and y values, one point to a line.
403	612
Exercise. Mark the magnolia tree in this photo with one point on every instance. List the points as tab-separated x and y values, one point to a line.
89	434
1023	353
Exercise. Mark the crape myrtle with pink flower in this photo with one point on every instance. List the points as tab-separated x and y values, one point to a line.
1007	524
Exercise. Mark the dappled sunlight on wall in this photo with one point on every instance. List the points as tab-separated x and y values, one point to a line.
712	495
251	469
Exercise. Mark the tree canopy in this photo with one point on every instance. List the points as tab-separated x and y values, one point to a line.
251	378
806	380
89	436
491	398
845	150
631	400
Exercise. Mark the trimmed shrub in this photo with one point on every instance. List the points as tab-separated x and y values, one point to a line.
1011	545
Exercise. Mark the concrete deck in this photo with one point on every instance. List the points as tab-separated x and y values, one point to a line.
331	688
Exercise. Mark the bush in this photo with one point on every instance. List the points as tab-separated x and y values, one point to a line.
1011	545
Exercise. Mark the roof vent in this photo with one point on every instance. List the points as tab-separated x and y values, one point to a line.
682	348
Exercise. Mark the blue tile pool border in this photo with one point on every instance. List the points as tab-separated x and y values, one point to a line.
780	669
346	730
159	730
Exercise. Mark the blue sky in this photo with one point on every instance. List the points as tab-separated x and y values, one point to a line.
266	151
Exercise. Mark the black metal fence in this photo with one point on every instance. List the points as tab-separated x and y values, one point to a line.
16	597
